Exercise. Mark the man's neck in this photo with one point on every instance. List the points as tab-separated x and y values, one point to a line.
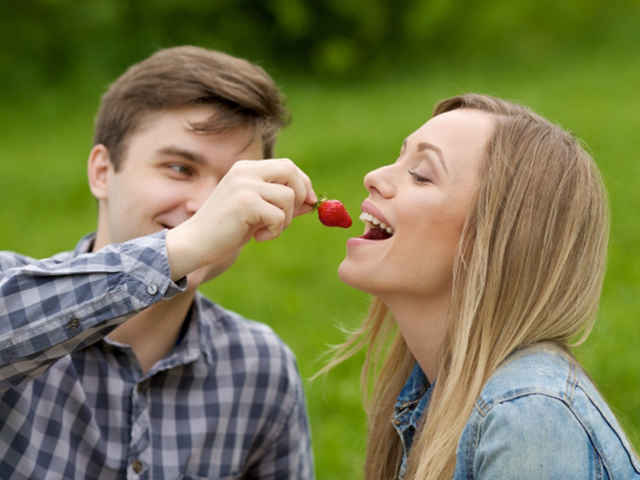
153	332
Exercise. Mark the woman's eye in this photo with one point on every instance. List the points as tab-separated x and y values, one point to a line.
419	178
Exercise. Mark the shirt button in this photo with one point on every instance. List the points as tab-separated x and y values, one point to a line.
73	323
152	289
137	466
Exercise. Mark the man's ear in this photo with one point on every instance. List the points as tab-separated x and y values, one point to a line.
99	167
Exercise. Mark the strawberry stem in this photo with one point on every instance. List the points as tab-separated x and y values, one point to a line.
323	198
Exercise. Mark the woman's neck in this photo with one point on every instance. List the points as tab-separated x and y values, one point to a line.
423	324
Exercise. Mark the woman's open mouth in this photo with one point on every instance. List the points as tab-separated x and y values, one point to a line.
376	229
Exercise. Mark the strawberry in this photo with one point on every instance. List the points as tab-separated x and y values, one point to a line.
333	214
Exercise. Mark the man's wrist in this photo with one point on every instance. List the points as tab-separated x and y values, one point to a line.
180	254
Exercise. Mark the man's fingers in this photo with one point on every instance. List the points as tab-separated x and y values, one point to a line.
282	197
311	197
285	172
272	223
303	209
264	196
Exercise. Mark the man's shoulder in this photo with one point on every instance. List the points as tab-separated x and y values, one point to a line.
10	259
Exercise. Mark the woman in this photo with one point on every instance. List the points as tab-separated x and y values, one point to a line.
485	245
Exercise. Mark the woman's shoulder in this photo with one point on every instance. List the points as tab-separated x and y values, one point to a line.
542	397
539	369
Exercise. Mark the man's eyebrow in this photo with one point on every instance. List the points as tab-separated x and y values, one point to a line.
422	146
181	152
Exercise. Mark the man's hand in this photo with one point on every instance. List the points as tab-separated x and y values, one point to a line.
256	199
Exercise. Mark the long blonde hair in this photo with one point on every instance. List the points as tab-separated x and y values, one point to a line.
530	267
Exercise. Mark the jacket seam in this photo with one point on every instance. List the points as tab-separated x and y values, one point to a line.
559	397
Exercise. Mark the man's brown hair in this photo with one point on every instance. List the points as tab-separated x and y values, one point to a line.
243	94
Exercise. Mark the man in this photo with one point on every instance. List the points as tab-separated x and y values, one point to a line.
111	364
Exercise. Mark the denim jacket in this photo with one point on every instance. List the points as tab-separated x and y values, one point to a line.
538	417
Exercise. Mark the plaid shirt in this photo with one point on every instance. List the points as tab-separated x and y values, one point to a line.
227	401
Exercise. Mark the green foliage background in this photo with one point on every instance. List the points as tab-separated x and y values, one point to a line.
359	77
57	40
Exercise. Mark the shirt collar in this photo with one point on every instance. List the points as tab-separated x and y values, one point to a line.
186	349
85	244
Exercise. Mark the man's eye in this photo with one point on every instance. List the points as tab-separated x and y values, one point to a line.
419	178
181	169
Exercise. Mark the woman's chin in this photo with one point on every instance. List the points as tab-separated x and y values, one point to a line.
343	271
352	276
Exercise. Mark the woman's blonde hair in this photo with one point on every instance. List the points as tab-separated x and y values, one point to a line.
530	267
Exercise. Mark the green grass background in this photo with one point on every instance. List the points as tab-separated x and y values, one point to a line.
339	132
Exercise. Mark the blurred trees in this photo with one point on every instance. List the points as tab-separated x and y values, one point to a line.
52	39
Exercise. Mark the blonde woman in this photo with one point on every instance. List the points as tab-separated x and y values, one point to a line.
485	245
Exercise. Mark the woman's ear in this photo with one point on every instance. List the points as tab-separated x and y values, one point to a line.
99	167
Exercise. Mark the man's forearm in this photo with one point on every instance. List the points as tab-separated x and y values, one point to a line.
51	307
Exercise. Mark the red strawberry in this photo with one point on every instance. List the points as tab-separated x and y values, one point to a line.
333	214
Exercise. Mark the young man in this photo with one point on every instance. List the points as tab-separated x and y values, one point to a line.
111	364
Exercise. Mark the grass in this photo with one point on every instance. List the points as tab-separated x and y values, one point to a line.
339	132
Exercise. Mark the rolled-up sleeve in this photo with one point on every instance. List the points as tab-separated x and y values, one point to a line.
51	307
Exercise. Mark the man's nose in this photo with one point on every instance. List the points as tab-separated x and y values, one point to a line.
199	194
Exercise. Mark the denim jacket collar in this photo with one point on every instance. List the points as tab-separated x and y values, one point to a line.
412	402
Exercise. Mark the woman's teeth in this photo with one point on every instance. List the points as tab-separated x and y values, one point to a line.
368	218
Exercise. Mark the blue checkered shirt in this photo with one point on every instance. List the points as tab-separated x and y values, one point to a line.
226	402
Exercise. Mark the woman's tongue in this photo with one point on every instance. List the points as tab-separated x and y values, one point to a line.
376	233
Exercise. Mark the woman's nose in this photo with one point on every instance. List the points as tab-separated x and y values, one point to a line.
380	181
